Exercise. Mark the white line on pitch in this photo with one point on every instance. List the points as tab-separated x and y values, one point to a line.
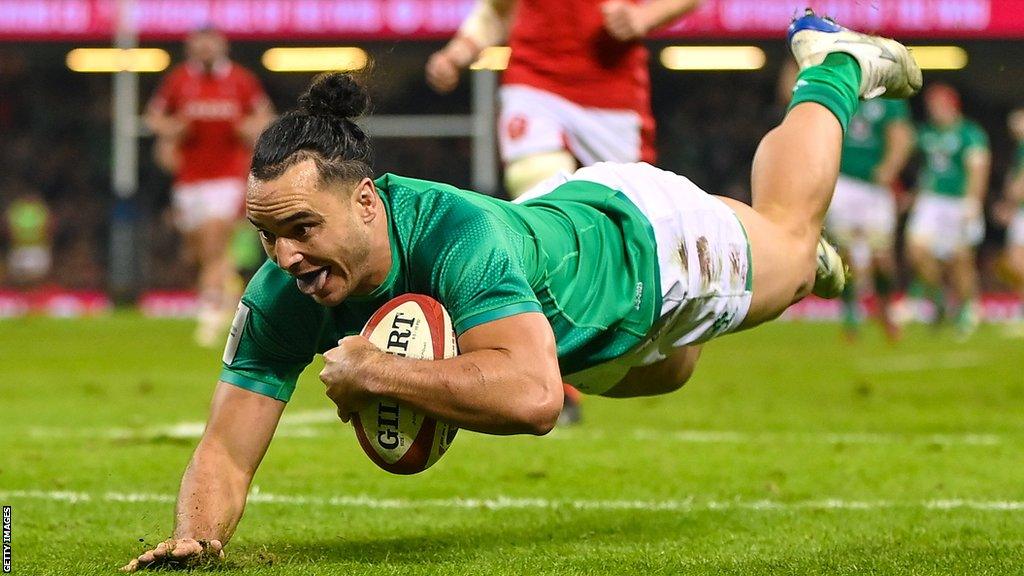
302	425
513	503
294	425
736	437
190	431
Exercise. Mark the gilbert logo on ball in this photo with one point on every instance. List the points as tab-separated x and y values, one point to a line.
394	436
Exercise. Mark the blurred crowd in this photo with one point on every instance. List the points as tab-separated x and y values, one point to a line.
55	141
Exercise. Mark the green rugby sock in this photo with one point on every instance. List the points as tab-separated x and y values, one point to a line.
883	285
835	84
851	315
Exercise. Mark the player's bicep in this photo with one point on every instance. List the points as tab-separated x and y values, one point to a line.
241	425
526	339
479	279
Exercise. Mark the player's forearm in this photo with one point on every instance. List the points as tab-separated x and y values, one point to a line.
658	13
898	148
163	125
486	25
212	496
977	180
484	390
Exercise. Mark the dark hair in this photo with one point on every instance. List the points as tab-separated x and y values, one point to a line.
321	129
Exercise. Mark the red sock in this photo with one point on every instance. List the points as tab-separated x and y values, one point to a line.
571	394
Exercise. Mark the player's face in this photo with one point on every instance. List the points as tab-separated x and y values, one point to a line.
206	47
942	109
321	235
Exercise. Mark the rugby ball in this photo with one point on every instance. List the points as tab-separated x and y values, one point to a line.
394	436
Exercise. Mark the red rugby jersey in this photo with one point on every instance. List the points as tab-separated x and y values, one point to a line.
562	47
213	104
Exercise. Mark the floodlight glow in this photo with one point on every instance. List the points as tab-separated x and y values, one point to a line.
713	58
940	57
493	58
342	59
118	60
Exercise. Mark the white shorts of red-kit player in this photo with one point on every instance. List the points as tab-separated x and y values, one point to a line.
535	121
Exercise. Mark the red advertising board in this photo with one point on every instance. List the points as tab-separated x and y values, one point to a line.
93	20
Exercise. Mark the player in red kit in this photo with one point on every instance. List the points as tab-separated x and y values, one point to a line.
576	91
206	115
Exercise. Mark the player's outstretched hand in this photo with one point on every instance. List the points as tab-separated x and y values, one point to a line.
442	72
177	553
624	20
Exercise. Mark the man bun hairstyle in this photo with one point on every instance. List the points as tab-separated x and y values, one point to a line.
321	129
334	95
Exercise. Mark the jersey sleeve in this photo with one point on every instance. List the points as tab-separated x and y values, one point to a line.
274	336
975	138
898	110
165	100
476	273
252	94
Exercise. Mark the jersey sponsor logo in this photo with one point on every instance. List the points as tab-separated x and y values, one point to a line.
237	327
212	110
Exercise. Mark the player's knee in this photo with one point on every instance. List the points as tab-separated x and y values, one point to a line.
527	172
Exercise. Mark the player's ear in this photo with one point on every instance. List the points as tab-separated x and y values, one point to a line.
365	196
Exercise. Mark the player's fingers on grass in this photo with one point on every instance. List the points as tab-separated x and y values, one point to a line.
161	550
131	566
186	547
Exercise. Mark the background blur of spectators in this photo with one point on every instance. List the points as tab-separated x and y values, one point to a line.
55	140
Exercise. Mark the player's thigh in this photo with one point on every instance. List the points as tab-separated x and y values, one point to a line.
215	235
661	377
783	265
963	261
1015	257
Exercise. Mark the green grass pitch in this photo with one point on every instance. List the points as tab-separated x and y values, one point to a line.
790	452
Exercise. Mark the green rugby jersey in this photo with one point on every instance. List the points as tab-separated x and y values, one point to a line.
583	255
864	144
945	156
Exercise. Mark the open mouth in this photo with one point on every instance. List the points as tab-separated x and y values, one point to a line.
312	282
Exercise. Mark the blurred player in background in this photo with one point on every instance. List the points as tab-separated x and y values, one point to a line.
1010	212
862	216
947	220
28	226
576	91
206	115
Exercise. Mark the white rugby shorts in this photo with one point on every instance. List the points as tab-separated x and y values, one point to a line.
861	212
937	223
535	121
703	259
196	203
29	263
